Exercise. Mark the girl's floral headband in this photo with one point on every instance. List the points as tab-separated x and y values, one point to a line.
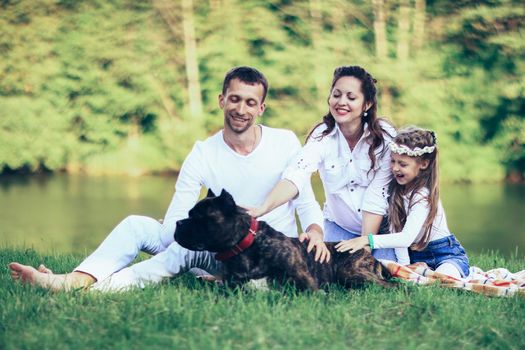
416	152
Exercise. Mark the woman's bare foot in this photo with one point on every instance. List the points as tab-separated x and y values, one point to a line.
45	278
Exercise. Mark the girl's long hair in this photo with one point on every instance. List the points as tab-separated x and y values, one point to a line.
427	178
368	87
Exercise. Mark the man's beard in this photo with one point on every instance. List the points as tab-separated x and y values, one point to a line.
236	129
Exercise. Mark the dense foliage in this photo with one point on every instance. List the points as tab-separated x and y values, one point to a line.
104	86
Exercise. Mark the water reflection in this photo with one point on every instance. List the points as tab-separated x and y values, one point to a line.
74	213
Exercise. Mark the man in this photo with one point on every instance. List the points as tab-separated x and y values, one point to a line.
244	158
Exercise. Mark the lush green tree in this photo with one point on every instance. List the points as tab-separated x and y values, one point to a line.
488	56
106	87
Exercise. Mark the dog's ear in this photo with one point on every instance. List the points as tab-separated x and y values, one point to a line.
227	201
226	196
210	194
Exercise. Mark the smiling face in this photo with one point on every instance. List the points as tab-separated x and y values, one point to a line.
242	104
347	101
406	168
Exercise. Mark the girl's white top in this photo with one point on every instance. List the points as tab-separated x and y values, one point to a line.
350	186
413	230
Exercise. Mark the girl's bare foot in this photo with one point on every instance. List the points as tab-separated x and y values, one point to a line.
419	264
45	278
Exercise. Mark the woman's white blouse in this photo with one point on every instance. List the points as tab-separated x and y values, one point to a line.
350	186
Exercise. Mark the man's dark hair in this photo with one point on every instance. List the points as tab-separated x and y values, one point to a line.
247	75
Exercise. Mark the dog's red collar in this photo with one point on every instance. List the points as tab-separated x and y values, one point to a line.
242	245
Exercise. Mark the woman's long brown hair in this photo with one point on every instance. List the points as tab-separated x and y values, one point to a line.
368	87
427	178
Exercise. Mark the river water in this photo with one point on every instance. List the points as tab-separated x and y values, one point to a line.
64	213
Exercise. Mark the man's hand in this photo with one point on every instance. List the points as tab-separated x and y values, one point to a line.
315	240
353	245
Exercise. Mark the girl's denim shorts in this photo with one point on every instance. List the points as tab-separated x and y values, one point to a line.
444	250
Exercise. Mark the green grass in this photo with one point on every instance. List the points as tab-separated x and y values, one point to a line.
186	314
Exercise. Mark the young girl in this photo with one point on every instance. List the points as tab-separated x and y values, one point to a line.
415	212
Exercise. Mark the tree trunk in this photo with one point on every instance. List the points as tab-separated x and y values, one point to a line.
192	65
380	29
215	4
419	24
167	102
403	31
382	52
386	102
170	15
315	14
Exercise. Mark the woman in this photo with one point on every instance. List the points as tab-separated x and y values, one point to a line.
350	150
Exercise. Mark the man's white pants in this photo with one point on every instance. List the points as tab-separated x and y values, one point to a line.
109	262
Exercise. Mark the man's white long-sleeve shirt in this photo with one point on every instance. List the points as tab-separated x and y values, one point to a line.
214	165
248	178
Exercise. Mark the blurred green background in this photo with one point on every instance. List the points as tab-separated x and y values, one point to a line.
126	87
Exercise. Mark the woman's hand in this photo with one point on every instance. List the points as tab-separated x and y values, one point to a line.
315	240
353	245
282	192
254	212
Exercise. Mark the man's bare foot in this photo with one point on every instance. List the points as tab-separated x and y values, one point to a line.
45	278
44	269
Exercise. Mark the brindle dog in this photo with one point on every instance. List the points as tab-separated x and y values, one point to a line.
217	224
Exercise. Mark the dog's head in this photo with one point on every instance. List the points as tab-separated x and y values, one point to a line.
215	224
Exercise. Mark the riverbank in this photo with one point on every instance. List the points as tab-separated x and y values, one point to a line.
185	314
